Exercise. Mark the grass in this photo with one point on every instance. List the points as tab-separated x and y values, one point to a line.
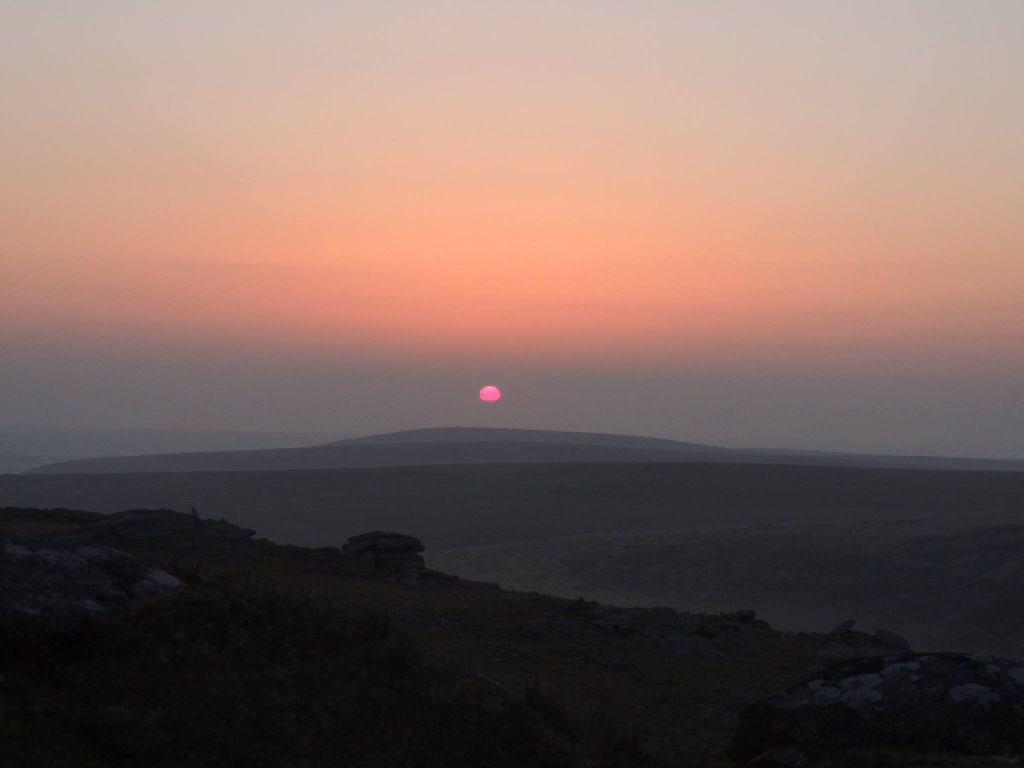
233	671
248	665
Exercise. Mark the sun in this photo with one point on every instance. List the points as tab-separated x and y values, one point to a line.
490	394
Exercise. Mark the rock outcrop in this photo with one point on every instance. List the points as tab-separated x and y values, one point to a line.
970	704
397	558
881	637
891	639
52	586
382	551
163	535
157	524
841	628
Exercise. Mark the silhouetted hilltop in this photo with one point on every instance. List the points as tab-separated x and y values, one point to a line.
498	434
475	445
26	448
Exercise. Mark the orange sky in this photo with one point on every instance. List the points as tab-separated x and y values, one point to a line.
707	185
520	182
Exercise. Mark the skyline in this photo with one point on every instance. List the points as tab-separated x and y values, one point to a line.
787	227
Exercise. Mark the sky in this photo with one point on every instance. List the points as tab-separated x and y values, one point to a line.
791	224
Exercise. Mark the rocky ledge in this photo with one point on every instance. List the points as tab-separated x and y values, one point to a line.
955	702
368	553
154	524
389	556
53	586
396	558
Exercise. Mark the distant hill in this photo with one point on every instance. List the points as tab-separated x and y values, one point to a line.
500	435
474	445
25	448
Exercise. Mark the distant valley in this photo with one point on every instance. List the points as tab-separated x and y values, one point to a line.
943	585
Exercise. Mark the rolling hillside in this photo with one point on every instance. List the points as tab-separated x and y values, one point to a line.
24	448
468	505
464	445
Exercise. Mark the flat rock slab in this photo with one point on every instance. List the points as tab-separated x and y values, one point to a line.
53	586
384	540
969	704
399	543
839	629
383	552
356	548
891	639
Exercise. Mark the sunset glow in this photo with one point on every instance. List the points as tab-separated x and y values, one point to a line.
699	187
425	202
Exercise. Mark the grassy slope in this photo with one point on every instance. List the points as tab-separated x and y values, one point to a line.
234	671
256	664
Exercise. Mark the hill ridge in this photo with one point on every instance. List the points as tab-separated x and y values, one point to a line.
495	445
459	434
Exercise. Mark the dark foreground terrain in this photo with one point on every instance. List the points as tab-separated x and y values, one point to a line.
261	654
933	555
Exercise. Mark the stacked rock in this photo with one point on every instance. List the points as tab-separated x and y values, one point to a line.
377	551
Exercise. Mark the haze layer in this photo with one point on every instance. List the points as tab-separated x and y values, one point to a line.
625	214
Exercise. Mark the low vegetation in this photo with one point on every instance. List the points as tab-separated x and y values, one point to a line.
272	656
233	671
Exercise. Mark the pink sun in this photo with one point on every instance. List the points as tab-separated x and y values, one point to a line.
490	394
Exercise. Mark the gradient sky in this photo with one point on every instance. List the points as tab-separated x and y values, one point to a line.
792	223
